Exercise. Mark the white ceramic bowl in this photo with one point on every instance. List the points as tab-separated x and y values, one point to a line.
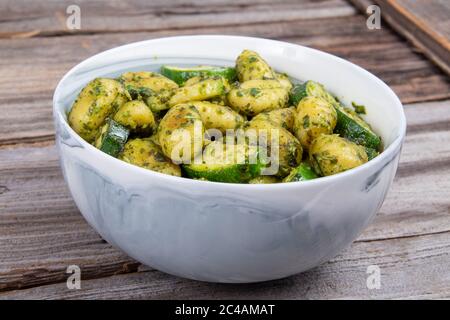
228	232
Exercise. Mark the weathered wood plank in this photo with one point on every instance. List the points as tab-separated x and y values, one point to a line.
27	116
410	268
25	18
425	23
35	204
52	234
423	160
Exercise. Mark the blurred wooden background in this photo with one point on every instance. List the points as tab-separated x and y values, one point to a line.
42	232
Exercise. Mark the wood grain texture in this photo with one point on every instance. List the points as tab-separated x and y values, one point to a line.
42	232
23	62
411	268
425	23
52	234
23	18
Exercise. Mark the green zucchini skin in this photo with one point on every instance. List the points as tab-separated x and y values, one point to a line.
226	172
353	129
301	173
113	140
181	75
237	173
371	153
308	89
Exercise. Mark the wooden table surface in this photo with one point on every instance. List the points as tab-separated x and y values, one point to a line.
42	232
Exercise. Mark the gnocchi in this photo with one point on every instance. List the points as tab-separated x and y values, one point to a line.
199	123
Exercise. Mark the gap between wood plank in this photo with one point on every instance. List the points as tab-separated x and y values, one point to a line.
38	34
402	237
170	17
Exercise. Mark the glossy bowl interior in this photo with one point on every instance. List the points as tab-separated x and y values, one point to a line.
228	232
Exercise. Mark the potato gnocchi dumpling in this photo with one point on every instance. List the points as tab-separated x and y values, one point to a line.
256	96
153	88
281	117
331	154
314	116
180	133
287	146
215	116
250	66
182	128
146	154
270	127
136	115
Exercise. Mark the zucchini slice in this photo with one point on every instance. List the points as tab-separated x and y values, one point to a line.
234	163
203	90
349	125
112	138
307	89
181	75
301	173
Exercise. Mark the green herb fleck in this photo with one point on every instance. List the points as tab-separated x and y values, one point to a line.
359	109
254	92
306	122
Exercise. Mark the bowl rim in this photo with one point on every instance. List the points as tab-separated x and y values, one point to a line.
381	160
